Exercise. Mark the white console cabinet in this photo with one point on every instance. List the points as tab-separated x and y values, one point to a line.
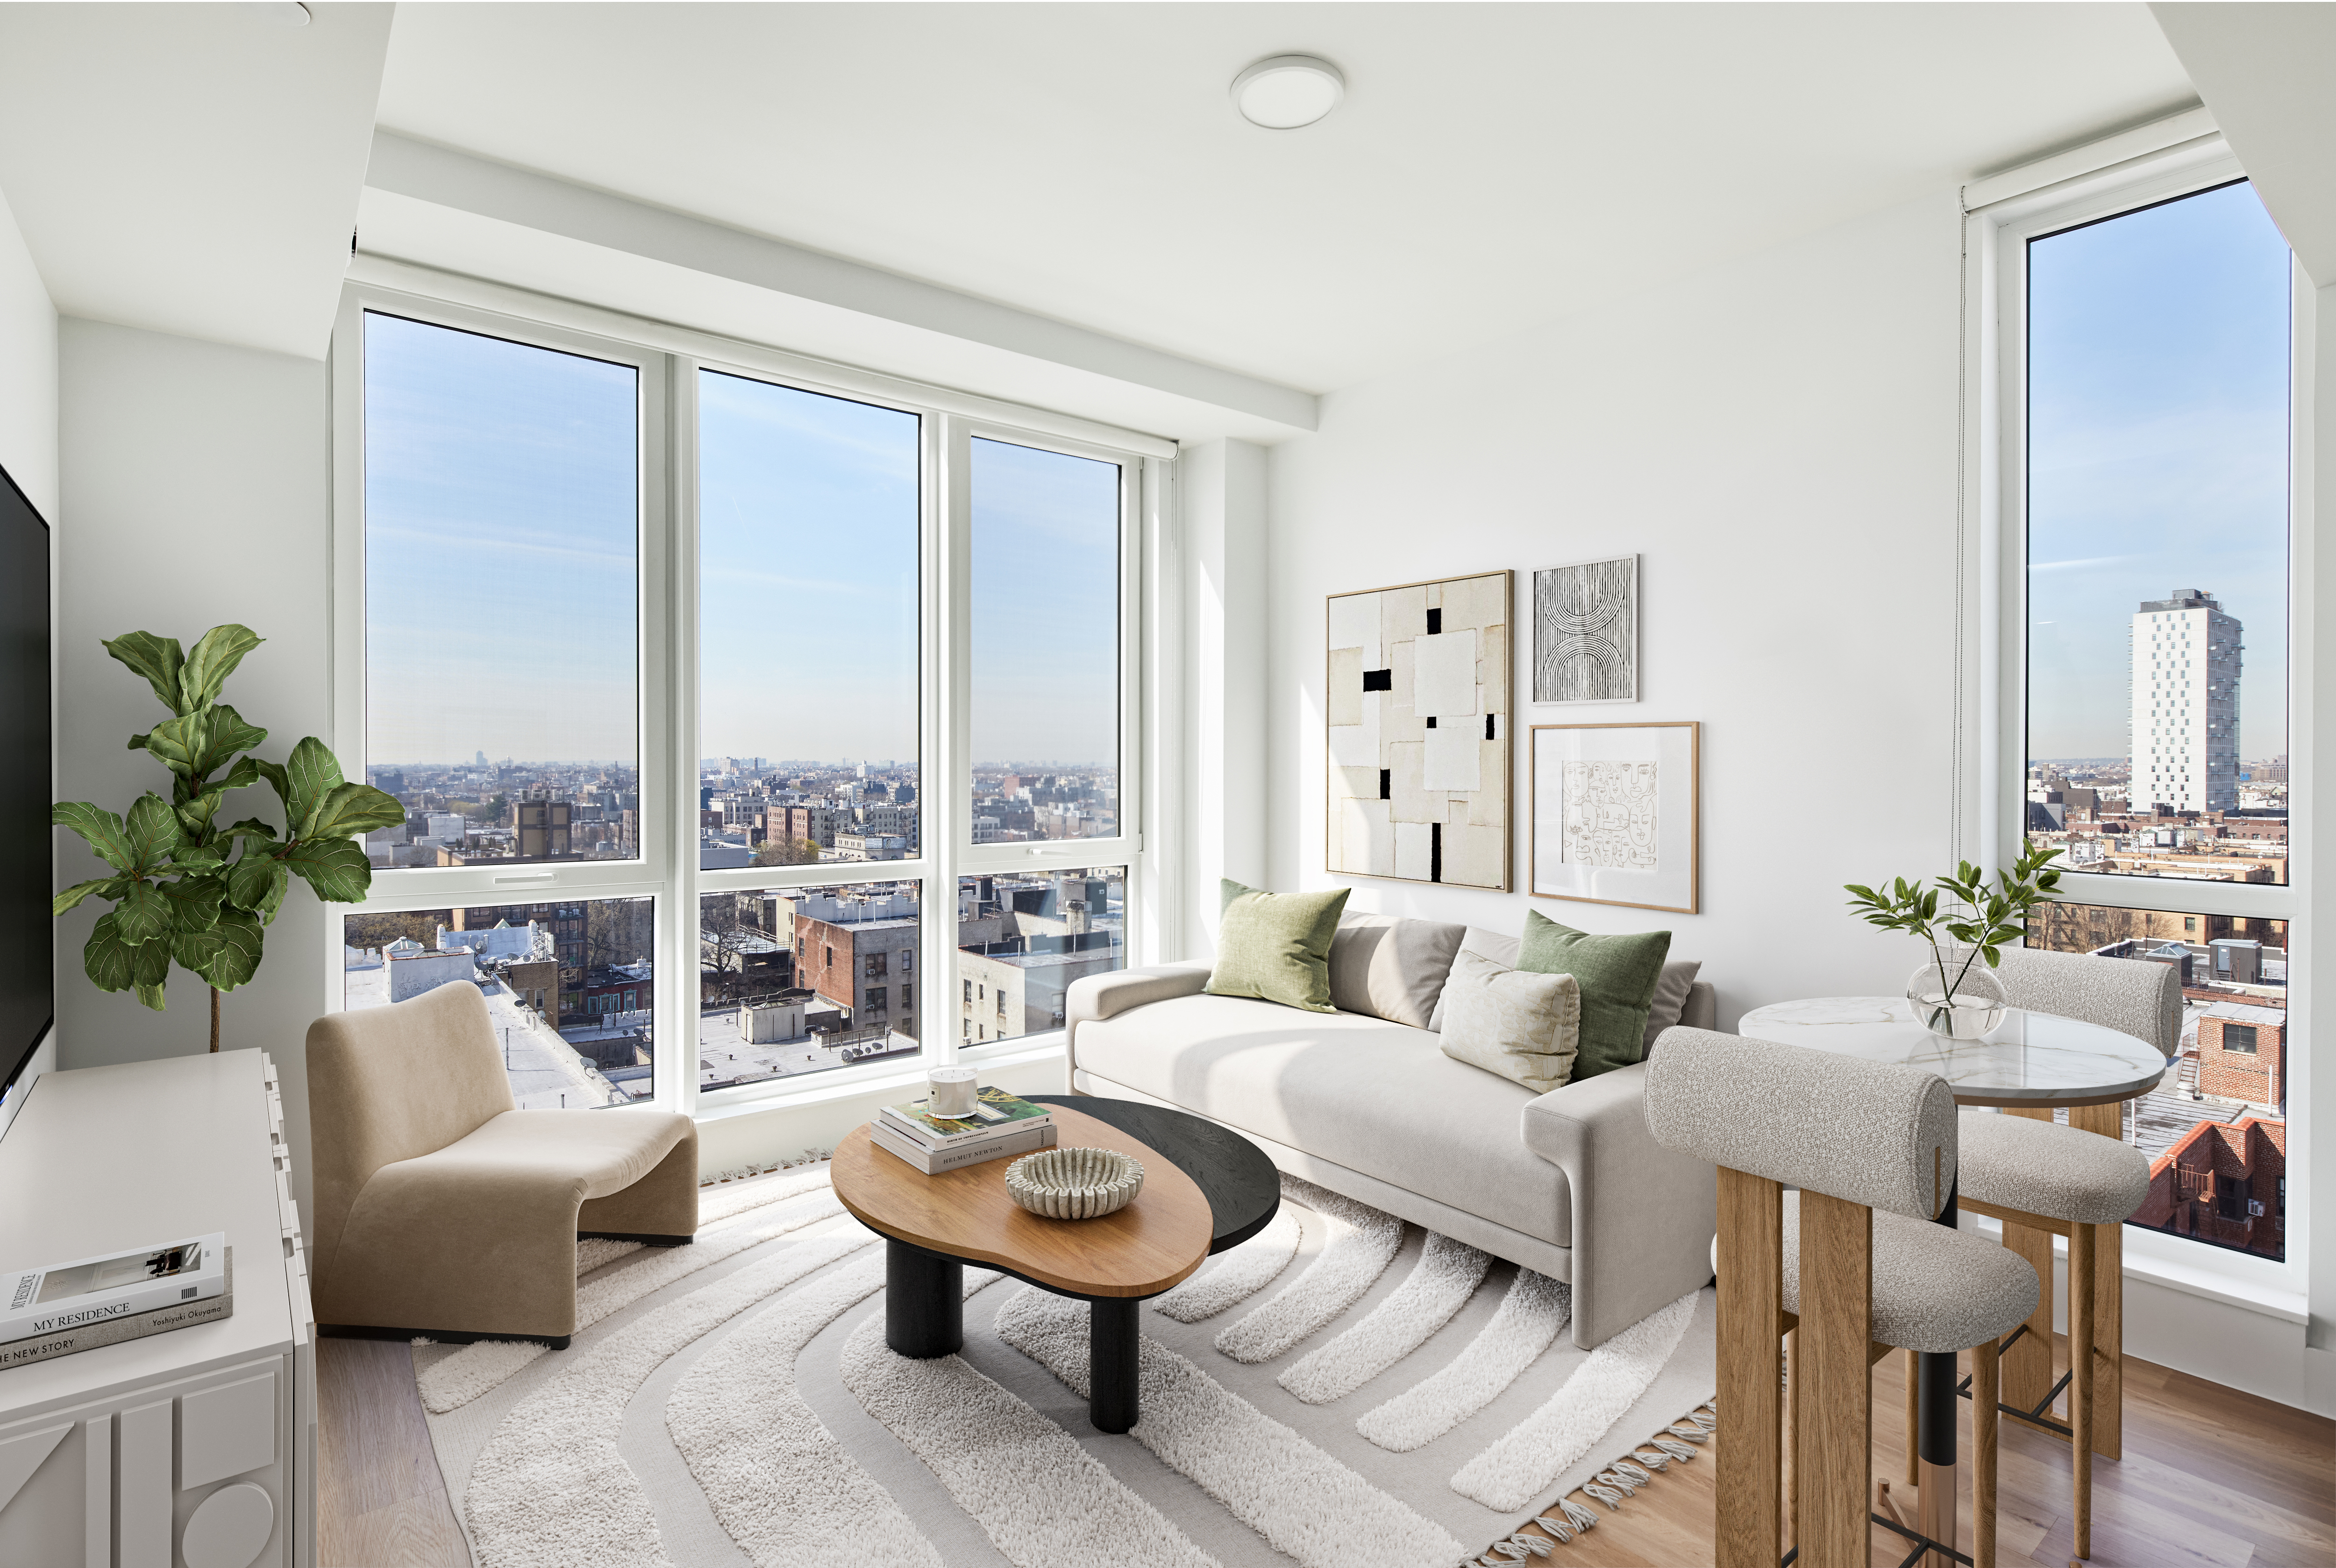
195	1448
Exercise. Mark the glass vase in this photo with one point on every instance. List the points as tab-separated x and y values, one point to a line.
1966	1003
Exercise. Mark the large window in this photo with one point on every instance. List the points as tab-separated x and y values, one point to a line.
807	626
636	628
2157	523
502	581
2147	391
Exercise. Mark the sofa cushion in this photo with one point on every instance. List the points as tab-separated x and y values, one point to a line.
1670	998
1619	975
1375	1097
1276	947
1390	967
1521	1025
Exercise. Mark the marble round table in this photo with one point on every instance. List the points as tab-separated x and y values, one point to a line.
2030	1064
2030	1061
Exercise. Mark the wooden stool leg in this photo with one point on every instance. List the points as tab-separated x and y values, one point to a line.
1750	1480
1792	1443
1913	1414
2108	1302
1836	1432
2080	1379
1986	1389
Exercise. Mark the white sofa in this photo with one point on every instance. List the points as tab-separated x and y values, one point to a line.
1570	1183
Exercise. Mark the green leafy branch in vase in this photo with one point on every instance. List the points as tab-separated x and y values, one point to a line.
1976	919
178	896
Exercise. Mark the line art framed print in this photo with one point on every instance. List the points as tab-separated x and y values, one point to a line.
1616	814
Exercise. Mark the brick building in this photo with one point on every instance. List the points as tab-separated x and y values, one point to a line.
866	967
2224	1185
2243	1060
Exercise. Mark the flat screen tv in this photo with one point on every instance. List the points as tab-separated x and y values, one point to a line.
27	983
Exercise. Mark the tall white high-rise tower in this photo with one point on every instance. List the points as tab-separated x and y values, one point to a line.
2185	704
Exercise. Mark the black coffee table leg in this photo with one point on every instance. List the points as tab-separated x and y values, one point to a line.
924	1302
1112	1339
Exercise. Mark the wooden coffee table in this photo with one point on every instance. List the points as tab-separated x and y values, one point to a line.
934	1225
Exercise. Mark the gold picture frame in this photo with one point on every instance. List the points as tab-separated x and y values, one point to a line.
1617	814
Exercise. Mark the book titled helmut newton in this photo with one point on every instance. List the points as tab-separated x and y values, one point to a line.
64	1308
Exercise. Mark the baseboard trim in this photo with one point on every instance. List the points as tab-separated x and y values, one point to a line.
437	1336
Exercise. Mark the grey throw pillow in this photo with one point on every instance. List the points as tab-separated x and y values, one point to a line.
1670	995
1392	968
1522	1025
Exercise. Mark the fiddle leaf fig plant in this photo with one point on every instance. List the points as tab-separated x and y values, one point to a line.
184	889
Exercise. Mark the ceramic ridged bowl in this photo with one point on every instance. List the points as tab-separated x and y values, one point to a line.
1074	1184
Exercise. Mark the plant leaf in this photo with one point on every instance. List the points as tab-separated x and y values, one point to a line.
211	661
229	735
226	956
249	828
150	965
256	883
143	916
156	658
335	867
179	743
194	901
152	831
153	996
71	897
104	831
353	808
106	957
313	773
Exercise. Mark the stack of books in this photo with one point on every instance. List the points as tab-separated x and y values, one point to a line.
1000	1126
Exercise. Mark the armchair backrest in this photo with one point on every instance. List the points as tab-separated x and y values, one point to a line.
391	1083
1866	1132
2134	995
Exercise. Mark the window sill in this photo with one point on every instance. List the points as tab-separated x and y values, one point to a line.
724	1104
2208	1284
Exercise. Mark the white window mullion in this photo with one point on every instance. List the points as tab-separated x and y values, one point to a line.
678	1000
948	819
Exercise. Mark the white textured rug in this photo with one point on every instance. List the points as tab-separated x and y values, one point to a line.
1343	1389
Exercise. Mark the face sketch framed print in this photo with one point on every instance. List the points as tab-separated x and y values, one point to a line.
1616	814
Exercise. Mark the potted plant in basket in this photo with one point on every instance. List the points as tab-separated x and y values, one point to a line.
1951	995
181	893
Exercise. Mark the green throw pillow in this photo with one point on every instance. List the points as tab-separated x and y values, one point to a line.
1276	947
1618	975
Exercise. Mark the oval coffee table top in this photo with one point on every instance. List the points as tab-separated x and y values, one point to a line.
1243	1189
1141	1251
2031	1059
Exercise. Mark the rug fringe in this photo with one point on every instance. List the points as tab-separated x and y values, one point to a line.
1567	1519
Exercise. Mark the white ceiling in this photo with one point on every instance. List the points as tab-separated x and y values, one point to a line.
190	168
1493	167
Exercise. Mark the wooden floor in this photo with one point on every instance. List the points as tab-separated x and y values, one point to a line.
2210	1479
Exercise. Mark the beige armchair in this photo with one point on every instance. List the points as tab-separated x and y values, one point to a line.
443	1210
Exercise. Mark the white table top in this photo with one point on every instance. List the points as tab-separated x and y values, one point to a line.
2031	1059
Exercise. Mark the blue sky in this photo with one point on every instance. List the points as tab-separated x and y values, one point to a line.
1046	606
2158	349
502	549
807	544
502	568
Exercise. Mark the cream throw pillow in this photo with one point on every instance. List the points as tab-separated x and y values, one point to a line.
1512	1021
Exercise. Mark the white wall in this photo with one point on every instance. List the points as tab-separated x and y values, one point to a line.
1777	439
28	449
194	492
28	372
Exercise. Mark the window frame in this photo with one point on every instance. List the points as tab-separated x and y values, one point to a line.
1990	783
668	359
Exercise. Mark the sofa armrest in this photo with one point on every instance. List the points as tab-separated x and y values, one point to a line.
1643	1215
1101	996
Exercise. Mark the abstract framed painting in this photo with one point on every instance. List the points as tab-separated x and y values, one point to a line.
1616	809
1586	632
1419	741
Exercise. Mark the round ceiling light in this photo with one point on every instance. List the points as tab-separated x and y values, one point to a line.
1288	90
